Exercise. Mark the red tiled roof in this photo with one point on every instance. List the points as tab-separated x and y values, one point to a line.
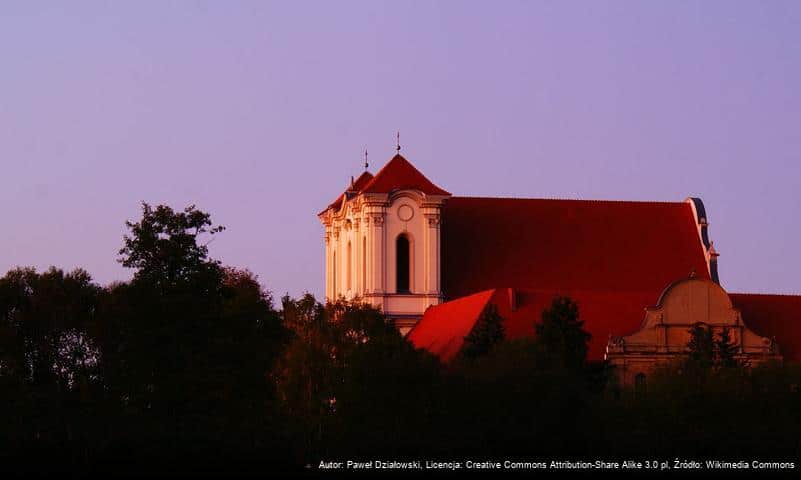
567	244
443	327
613	258
362	181
604	313
358	184
399	174
773	316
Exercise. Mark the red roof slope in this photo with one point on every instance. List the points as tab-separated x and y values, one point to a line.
399	174
443	327
362	181
567	244
613	258
603	313
358	184
773	316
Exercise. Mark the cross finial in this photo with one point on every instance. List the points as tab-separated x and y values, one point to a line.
397	144
366	164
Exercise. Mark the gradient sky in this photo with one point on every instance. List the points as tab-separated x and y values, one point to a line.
258	113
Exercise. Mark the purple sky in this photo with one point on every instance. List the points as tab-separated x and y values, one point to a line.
258	113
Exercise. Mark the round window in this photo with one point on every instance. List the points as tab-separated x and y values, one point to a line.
405	213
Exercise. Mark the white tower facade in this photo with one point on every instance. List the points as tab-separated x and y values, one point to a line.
382	242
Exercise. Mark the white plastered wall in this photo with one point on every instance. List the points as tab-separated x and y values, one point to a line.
371	223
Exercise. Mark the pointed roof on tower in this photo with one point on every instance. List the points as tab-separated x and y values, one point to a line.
354	187
400	174
362	181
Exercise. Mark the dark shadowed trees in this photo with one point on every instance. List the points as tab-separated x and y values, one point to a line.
348	378
701	347
49	364
189	367
486	333
726	350
561	333
190	342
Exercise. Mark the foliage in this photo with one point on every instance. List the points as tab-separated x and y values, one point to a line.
163	246
726	350
344	374
561	333
701	347
190	368
486	333
708	351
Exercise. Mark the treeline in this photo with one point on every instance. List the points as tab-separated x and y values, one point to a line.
192	367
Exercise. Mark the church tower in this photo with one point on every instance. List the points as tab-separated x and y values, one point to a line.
382	242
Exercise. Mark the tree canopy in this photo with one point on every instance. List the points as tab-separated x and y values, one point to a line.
190	367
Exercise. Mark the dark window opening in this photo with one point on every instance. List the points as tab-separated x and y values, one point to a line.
402	265
640	385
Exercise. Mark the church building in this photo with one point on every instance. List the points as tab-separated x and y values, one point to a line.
642	273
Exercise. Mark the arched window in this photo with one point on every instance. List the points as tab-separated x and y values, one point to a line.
349	268
402	264
334	277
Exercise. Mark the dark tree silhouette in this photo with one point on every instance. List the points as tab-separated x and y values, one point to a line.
701	347
189	368
725	350
561	333
348	377
486	333
190	342
163	246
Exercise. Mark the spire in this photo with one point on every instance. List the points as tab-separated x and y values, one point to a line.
397	143
366	164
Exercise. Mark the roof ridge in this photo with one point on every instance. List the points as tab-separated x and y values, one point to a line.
766	294
587	200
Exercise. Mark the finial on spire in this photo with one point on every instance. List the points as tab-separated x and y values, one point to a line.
397	144
366	164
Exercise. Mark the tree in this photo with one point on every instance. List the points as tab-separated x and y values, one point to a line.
701	347
486	333
726	350
189	342
163	246
47	319
348	376
50	382
561	333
